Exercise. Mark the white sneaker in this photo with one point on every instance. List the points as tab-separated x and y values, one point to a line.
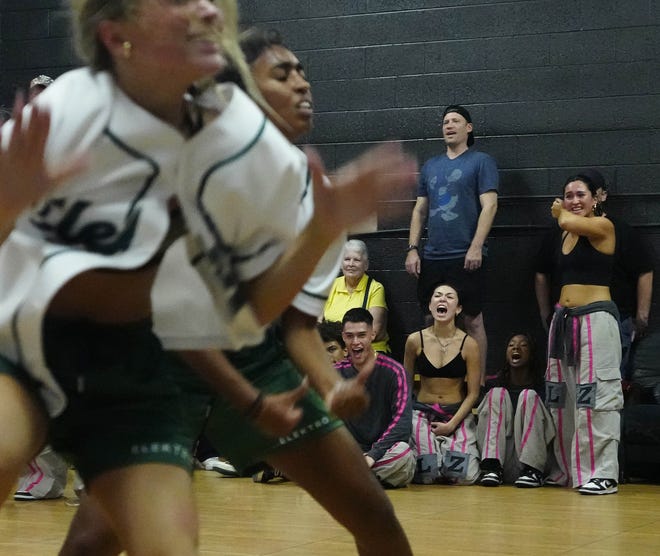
223	467
599	486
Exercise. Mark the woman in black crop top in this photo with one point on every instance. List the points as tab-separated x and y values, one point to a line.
447	362
583	381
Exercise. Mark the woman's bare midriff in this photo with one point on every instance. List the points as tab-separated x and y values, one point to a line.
106	296
576	295
443	391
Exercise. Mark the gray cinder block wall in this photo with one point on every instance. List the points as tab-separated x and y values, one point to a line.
35	38
552	85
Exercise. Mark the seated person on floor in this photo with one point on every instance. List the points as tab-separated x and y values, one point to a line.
447	360
514	428
383	430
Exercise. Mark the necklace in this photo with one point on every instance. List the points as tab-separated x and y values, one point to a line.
444	346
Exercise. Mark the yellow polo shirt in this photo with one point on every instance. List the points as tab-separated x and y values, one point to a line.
340	300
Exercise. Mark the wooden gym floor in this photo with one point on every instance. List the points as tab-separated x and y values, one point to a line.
240	518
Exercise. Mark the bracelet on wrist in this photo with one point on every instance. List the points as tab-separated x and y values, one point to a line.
255	408
412	247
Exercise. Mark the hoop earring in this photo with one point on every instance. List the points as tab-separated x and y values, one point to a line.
127	49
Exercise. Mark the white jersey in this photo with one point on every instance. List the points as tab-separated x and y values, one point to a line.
114	214
246	193
111	215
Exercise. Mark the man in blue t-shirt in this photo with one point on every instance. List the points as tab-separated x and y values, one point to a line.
457	195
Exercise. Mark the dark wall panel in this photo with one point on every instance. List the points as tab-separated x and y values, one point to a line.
552	87
35	38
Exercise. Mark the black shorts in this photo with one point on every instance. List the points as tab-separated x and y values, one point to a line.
468	283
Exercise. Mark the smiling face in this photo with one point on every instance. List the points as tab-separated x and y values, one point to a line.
358	337
518	352
173	39
281	79
455	129
444	305
354	265
578	199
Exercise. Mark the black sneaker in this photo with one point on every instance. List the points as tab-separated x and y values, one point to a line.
599	486
529	478
269	474
491	478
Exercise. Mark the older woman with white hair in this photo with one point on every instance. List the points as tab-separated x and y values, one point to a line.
357	289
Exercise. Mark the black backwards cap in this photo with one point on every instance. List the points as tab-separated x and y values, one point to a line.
463	112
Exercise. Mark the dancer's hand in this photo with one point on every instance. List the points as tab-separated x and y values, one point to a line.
24	175
349	397
355	189
279	414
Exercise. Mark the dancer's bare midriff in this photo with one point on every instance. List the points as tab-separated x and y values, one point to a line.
106	296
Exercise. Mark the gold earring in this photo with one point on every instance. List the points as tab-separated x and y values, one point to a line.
127	48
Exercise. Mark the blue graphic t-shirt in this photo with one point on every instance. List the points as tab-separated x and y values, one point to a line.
453	187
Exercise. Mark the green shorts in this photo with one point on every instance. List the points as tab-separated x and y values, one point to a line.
268	368
129	402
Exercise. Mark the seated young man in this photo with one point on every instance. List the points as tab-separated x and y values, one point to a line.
383	430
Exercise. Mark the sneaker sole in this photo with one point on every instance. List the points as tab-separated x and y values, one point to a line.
24	497
596	492
520	484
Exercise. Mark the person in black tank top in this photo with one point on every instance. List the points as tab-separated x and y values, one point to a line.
447	362
583	381
456	368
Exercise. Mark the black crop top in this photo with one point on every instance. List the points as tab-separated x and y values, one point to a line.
456	368
584	264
